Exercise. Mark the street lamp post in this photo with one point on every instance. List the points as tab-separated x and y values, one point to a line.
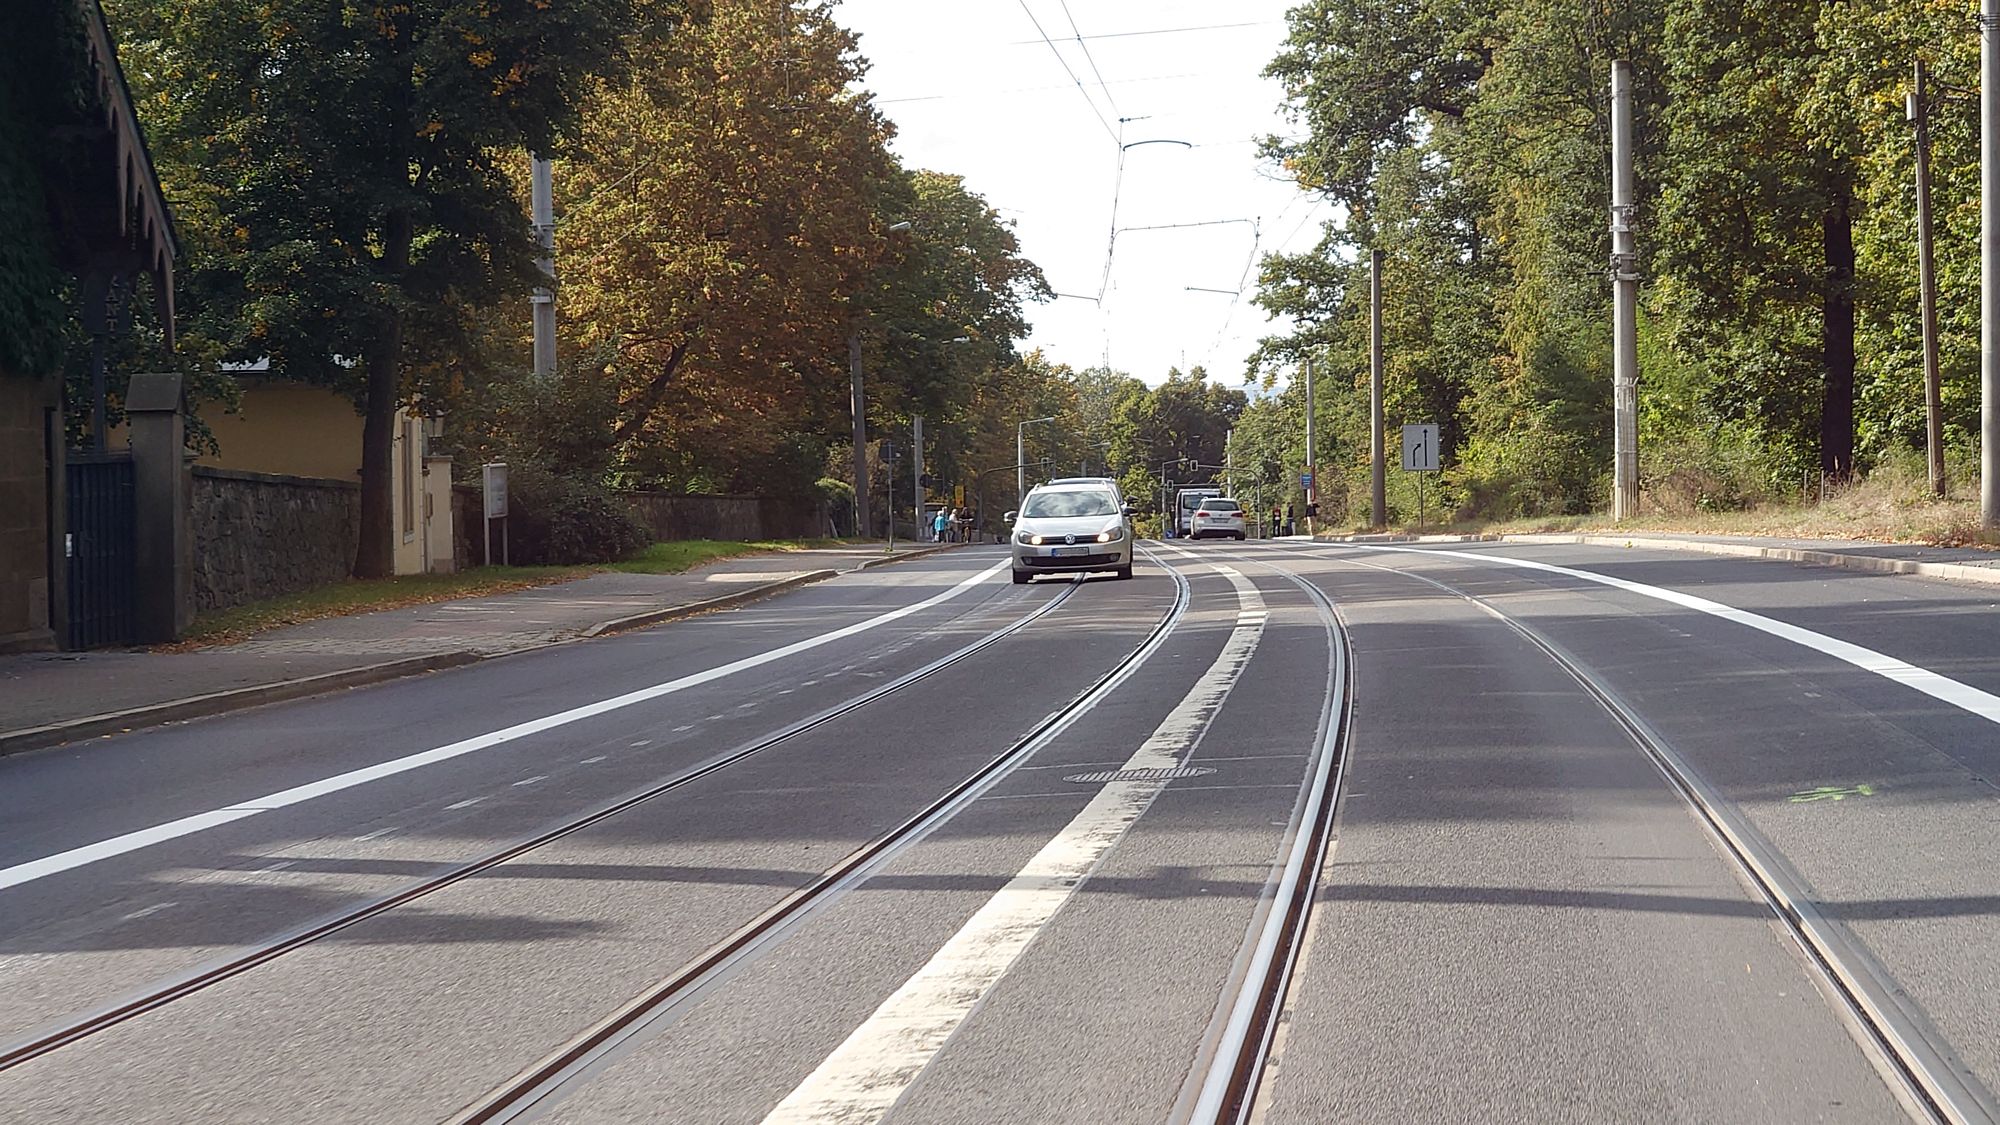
1021	457
859	401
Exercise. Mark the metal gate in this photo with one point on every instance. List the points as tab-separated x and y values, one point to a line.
99	550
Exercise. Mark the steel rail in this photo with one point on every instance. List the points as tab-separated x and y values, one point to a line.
1234	1074
171	989
573	1064
1931	1079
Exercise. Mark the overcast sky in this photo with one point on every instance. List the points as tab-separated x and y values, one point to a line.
974	90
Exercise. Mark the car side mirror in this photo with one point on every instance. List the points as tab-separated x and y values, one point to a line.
1009	517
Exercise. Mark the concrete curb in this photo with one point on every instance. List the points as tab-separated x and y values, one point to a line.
689	609
908	555
238	699
220	702
1871	564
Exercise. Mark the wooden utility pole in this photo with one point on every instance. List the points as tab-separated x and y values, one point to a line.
1378	450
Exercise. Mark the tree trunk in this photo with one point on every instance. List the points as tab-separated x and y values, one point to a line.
1836	416
376	555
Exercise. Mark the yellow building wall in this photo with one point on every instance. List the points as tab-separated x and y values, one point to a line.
304	431
289	428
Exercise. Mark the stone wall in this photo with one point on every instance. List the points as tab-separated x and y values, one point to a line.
24	528
679	515
258	535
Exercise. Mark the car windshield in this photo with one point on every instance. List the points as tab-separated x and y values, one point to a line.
1192	502
1064	505
1219	505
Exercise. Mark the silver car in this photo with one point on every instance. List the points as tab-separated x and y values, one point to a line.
1066	527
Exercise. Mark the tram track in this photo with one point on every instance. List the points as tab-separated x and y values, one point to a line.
1241	1047
1911	1054
171	989
560	1073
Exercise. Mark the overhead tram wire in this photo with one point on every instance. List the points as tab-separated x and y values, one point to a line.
1088	57
1170	30
1080	87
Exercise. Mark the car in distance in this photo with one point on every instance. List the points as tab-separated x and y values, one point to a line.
1218	517
1185	502
1064	527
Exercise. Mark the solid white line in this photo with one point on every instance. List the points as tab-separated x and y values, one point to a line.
1942	688
201	822
865	1075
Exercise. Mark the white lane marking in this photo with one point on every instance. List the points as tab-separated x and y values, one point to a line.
865	1075
531	780
375	835
592	761
278	866
465	804
201	822
1942	688
648	741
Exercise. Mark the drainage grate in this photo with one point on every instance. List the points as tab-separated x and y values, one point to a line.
1139	775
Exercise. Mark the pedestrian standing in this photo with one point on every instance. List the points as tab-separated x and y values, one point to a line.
1291	523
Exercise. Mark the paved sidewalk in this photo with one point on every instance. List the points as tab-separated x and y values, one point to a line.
40	690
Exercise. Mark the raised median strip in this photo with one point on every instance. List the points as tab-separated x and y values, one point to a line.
1872	564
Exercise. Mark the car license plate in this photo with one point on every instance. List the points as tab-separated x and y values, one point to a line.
1061	551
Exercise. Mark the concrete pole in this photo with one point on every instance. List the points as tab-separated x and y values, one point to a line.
917	473
1625	302
860	404
1989	265
543	204
1378	451
1229	461
1312	448
1920	116
1020	464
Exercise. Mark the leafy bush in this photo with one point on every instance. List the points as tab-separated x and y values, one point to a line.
1534	471
1685	476
567	520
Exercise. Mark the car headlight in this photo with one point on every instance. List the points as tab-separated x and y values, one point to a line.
1111	534
1028	540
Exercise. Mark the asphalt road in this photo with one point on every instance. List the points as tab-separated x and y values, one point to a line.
1016	858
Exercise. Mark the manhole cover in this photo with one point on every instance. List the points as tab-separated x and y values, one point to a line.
1167	774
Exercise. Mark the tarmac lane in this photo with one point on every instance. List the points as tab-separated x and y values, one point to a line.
406	1015
1861	753
1030	961
1522	917
83	932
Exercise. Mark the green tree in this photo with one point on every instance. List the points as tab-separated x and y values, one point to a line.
349	158
1757	210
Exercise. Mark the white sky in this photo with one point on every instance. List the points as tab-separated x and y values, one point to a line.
974	91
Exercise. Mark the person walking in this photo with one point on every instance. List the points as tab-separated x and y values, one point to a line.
1291	523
